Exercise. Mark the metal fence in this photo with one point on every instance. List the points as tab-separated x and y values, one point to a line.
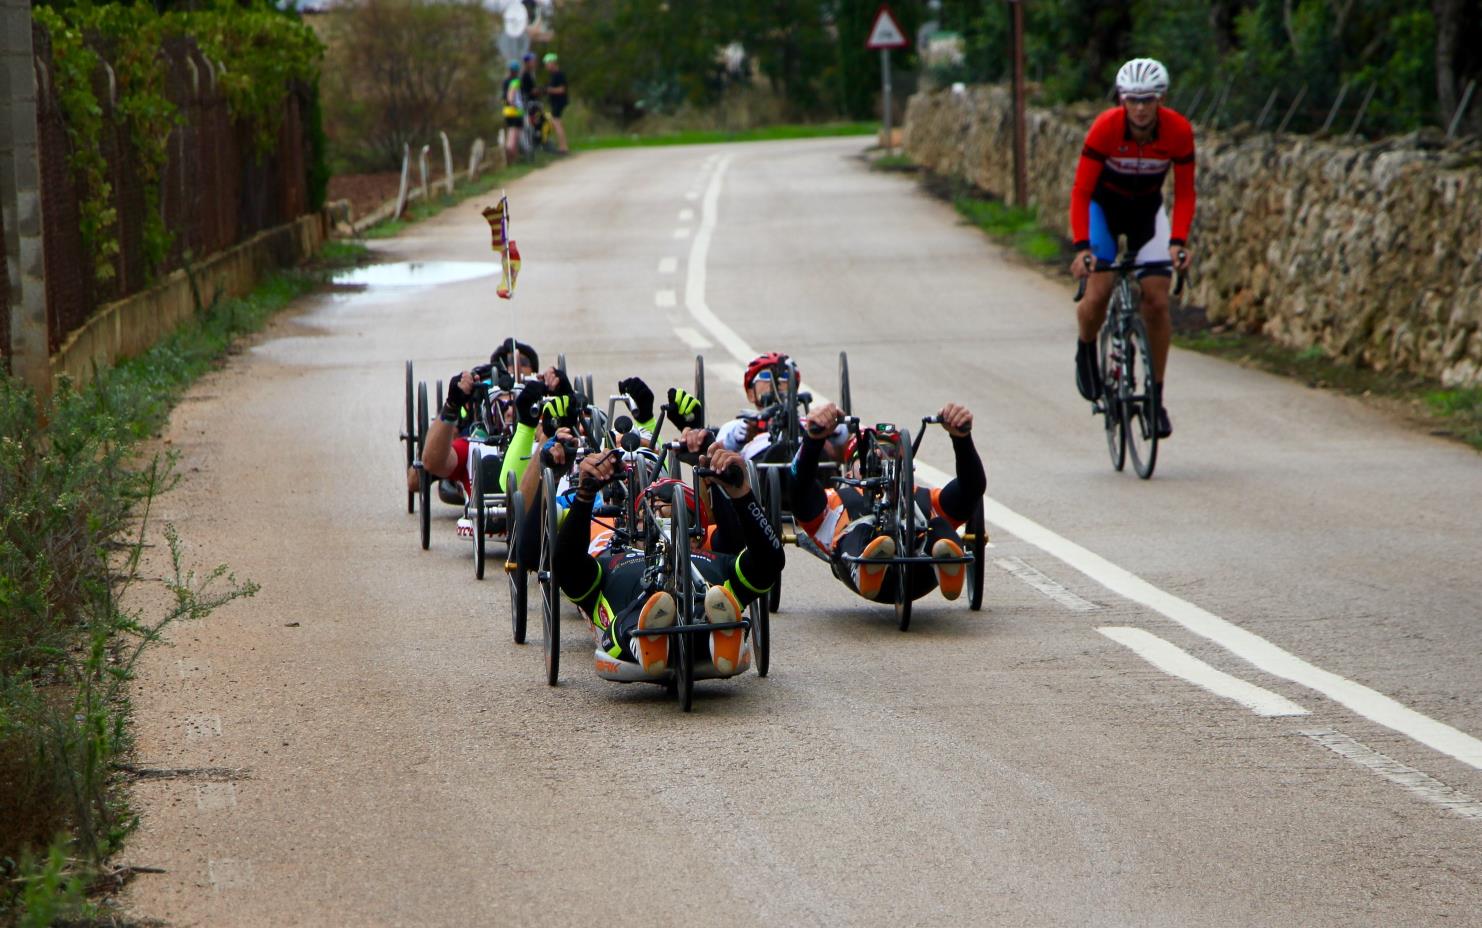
215	189
1349	109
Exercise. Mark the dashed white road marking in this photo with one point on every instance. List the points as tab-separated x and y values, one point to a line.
1173	660
683	232
229	873
664	298
216	797
202	726
693	338
686	214
1246	645
668	265
1413	781
1045	585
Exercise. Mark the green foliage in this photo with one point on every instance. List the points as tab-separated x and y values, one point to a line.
1014	225
265	53
399	71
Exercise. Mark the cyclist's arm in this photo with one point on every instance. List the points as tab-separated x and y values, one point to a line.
759	564
517	456
729	537
809	499
1183	199
960	496
580	573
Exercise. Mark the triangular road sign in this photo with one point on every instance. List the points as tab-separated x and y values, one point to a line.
886	33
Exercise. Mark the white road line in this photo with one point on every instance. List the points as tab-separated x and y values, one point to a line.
1423	785
693	338
216	797
668	265
1045	585
664	298
1356	697
202	726
229	873
686	214
1173	660
682	233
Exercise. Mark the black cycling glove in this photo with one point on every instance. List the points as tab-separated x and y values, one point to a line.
685	410
527	402
455	401
643	397
558	411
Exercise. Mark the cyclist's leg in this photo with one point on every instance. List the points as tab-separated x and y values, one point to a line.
1091	311
1155	285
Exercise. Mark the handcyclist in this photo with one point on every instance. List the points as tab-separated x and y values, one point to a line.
1119	191
613	588
765	383
840	521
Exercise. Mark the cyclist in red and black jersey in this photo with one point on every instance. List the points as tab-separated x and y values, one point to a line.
1119	191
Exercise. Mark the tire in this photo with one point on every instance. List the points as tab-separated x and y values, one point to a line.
684	601
1111	401
550	587
560	362
424	479
439	406
905	521
480	518
518	579
700	383
410	438
845	403
759	612
977	526
1140	423
772	503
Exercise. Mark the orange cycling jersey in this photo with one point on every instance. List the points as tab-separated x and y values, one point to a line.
1122	174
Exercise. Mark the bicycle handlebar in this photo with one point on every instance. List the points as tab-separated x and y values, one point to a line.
731	476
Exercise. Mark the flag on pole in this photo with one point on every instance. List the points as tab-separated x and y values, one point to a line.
509	253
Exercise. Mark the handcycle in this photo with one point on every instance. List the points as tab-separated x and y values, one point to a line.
888	480
1130	397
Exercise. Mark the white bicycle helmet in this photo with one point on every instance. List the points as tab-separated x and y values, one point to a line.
1142	75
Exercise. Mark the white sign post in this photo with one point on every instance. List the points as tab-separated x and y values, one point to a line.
886	34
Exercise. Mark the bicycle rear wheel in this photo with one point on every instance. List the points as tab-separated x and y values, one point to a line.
1111	402
1141	405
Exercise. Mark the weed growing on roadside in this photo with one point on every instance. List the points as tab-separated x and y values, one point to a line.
1016	225
426	209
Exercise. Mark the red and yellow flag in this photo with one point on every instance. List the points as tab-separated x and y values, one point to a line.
498	218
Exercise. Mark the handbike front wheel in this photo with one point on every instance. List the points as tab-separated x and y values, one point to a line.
905	521
1111	402
550	589
1141	408
518	579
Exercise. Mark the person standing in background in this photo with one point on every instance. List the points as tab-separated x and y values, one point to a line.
556	97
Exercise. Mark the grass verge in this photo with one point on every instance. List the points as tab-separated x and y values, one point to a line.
711	136
78	495
1450	412
426	209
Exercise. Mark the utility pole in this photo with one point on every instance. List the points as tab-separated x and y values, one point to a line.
1021	175
20	199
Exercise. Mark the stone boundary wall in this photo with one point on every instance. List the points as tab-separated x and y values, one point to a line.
131	325
1370	251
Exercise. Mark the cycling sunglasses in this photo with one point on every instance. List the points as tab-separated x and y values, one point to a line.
766	377
1140	98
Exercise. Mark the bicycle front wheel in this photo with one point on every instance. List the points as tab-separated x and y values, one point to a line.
1140	408
1111	400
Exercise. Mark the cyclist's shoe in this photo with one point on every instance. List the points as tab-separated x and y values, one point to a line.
722	608
868	578
652	651
465	527
1087	377
451	492
1165	427
949	576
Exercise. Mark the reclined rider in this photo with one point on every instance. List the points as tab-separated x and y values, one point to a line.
765	383
612	589
840	520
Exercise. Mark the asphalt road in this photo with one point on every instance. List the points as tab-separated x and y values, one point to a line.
1111	742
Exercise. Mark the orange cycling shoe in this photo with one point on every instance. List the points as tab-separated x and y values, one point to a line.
949	576
722	607
652	651
869	577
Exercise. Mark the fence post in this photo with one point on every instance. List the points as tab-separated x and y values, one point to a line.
475	156
422	169
1461	109
1266	110
447	163
20	197
1292	110
406	175
1333	113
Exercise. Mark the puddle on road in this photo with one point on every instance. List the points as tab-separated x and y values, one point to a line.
414	274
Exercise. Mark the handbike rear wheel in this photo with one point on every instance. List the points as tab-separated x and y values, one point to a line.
550	589
518	579
905	521
409	437
977	527
682	571
424	479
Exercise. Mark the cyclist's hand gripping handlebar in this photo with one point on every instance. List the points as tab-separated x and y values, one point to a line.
1080	288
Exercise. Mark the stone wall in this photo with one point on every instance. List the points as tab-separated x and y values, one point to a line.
1371	251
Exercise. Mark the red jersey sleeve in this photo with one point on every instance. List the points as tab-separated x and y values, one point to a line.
1100	142
1182	156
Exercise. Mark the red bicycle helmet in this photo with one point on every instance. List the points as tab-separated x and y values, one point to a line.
764	362
661	489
